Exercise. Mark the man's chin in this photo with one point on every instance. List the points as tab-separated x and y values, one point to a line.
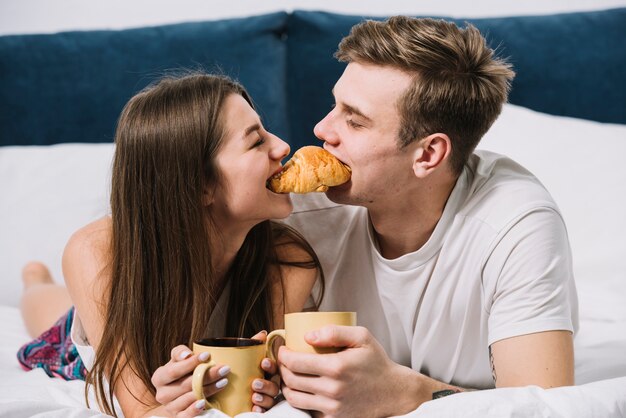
340	194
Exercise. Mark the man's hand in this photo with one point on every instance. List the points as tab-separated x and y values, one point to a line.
360	381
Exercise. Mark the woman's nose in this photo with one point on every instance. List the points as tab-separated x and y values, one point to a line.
280	149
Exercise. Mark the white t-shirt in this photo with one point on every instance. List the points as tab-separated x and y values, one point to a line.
497	265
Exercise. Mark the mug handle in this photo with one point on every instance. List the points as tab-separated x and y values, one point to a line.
270	342
197	384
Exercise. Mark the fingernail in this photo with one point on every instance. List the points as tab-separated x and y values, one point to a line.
257	385
204	356
257	397
200	404
257	408
185	354
266	363
312	335
264	332
221	383
224	371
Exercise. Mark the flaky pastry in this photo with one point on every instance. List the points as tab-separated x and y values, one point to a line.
310	169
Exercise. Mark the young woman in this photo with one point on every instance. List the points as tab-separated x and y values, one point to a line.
188	250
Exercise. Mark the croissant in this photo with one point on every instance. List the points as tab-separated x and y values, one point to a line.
310	169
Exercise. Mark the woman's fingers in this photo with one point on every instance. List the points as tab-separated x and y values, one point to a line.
265	387
262	401
261	336
215	380
264	393
181	405
269	366
196	408
180	352
182	363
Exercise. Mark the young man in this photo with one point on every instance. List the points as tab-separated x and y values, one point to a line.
457	262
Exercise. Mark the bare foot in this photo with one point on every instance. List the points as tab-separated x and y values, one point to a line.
35	272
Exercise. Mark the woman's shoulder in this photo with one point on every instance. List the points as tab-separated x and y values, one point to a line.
290	245
87	252
295	272
91	236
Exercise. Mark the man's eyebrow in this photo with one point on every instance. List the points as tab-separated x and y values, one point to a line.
251	129
353	109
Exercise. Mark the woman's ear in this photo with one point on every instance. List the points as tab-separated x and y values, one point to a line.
208	195
431	153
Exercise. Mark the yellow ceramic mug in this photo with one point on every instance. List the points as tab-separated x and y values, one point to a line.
244	356
299	323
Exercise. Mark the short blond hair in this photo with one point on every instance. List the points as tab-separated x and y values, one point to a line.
459	85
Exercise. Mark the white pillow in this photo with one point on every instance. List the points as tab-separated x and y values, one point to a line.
47	193
581	163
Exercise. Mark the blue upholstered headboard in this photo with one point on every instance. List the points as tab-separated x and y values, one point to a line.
567	64
70	87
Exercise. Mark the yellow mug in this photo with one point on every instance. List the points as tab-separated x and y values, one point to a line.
299	323
244	356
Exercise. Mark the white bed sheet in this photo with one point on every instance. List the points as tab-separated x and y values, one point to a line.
600	354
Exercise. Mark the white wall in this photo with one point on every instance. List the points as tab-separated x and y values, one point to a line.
47	16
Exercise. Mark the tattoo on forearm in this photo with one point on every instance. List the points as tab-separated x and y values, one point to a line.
493	367
445	392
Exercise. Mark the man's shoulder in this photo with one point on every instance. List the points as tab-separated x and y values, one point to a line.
501	190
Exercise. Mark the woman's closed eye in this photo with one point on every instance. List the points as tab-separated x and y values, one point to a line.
260	141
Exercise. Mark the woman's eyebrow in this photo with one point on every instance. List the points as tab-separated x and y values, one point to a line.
251	129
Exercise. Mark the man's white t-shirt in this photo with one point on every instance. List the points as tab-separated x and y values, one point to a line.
497	265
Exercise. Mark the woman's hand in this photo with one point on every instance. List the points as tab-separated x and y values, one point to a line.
173	382
264	390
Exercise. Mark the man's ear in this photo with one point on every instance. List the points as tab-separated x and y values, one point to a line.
431	153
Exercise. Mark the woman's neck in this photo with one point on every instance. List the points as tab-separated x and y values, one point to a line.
225	247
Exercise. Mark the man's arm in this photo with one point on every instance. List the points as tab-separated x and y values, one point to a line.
544	359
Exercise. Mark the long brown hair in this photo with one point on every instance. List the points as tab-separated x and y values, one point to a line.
459	83
163	285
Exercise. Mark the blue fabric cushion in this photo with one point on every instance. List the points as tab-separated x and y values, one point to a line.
567	64
71	87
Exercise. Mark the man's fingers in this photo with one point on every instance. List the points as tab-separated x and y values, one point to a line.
312	364
338	336
307	401
310	384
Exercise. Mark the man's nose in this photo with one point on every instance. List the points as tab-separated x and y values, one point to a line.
325	131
